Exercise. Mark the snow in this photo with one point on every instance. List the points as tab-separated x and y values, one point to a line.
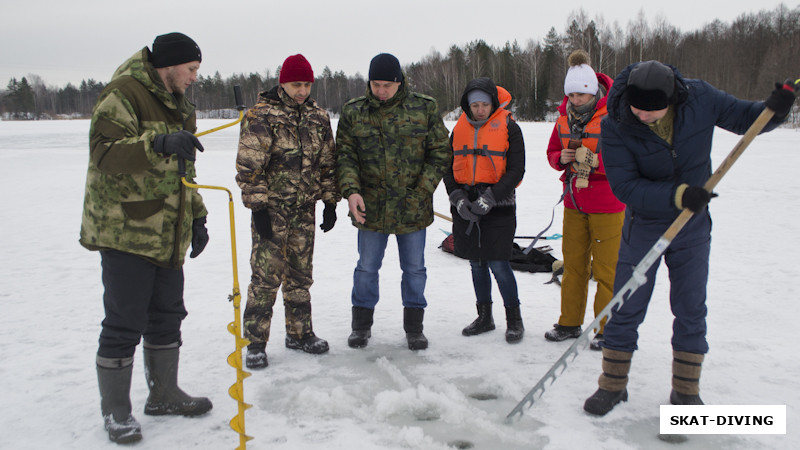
455	394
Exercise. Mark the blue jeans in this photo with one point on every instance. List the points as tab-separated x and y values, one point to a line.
371	248
504	276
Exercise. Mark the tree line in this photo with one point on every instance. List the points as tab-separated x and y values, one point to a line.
743	58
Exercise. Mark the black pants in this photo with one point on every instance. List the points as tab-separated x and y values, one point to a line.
140	299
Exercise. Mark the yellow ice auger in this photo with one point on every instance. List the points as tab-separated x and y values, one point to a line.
236	390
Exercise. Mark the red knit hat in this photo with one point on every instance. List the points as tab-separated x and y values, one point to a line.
296	68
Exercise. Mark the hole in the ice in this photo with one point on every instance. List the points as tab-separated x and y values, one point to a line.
460	444
673	438
426	415
483	396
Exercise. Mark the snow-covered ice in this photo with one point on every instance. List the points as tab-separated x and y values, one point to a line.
455	394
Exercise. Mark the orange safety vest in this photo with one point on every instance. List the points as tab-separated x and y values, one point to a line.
479	155
590	137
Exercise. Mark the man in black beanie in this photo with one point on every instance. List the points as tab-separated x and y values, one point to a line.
657	154
142	220
392	150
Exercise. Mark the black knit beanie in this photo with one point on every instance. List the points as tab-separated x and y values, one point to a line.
385	67
173	49
650	86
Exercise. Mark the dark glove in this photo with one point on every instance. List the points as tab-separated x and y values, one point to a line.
199	236
263	223
693	197
328	217
780	101
484	203
181	143
458	198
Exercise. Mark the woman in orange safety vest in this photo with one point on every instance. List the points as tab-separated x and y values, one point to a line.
488	164
592	214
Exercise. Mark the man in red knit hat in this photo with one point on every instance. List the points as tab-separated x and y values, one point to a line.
285	164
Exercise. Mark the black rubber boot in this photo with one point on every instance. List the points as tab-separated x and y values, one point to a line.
515	329
362	324
161	372
483	323
114	380
412	324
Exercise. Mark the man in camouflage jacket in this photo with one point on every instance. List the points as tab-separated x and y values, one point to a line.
392	151
142	219
285	164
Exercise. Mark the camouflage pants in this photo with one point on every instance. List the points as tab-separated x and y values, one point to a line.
284	261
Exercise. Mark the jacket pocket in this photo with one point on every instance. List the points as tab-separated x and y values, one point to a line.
141	210
414	207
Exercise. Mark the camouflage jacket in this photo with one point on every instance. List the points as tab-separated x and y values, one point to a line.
135	201
286	153
394	154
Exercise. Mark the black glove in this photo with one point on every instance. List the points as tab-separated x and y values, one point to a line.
199	236
484	203
328	217
780	101
458	198
181	143
263	223
696	198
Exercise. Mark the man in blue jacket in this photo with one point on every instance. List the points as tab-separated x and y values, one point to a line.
657	153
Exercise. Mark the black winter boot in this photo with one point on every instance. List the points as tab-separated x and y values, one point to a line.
412	324
603	401
361	324
483	323
114	380
562	332
686	368
161	372
256	357
515	330
309	344
612	383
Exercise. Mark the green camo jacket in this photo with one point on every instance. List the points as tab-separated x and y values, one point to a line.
394	154
286	153
135	201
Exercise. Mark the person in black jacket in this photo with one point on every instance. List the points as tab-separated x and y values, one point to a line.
657	154
488	164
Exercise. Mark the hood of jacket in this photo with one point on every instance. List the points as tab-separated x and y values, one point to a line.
139	68
277	95
619	106
486	85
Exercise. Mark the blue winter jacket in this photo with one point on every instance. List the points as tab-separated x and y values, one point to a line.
642	169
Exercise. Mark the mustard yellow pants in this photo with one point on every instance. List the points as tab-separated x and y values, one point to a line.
590	247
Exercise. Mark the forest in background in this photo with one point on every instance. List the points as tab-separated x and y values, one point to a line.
744	57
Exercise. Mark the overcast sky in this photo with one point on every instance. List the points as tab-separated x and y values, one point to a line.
68	41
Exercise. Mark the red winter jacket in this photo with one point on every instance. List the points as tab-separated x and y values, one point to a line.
597	198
